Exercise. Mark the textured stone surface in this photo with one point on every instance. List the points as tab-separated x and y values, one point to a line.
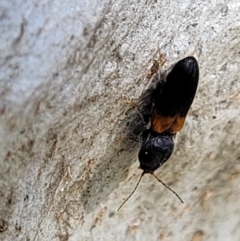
64	68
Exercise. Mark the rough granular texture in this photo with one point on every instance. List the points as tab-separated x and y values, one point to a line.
65	68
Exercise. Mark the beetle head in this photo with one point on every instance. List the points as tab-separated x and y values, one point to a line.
155	150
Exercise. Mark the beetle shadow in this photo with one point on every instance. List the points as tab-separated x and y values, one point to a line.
120	155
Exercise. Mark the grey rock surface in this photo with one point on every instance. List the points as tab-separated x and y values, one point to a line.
64	69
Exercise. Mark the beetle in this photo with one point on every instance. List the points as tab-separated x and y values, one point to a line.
171	101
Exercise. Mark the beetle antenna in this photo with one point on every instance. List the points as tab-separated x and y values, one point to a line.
169	188
131	192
